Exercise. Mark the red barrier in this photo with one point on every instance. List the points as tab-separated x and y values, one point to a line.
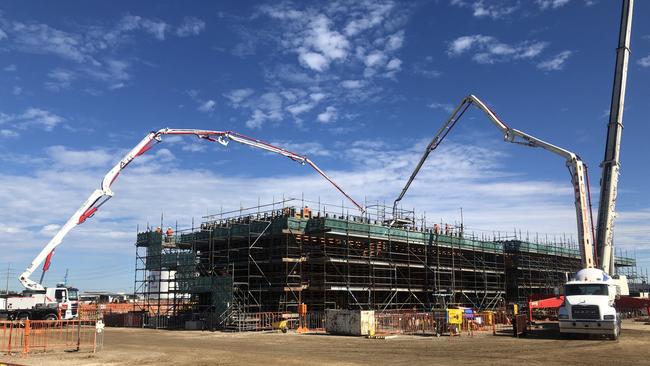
543	303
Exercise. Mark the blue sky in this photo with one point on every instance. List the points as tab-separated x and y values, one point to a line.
359	87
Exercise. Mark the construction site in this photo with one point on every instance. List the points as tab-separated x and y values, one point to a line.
289	281
272	258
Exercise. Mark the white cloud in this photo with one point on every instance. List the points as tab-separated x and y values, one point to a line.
444	106
491	9
194	147
369	19
395	41
113	72
644	61
343	33
465	43
327	116
10	68
60	79
29	118
555	63
317	97
314	61
3	35
239	95
207	106
298	109
157	28
272	106
304	148
488	49
44	118
426	71
394	64
91	49
268	107
41	38
551	4
17	90
8	133
190	26
341	47
322	45
499	9
50	229
374	59
352	84
62	156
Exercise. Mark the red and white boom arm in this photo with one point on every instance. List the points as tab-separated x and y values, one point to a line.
100	196
573	162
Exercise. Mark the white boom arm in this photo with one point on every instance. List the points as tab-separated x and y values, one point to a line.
611	162
100	196
573	162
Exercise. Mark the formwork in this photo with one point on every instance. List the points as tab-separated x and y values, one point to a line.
237	266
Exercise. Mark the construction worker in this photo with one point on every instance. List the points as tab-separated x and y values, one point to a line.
158	230
169	231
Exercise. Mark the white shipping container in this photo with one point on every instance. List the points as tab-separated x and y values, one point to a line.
350	322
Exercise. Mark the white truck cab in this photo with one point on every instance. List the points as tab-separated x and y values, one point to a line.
589	305
42	305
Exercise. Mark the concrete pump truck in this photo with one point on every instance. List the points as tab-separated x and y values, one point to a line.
590	296
39	302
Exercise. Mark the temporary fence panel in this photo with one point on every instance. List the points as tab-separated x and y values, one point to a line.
411	323
47	335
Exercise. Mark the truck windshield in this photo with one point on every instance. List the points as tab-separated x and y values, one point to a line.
73	294
586	289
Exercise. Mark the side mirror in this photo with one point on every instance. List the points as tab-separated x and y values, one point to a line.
556	292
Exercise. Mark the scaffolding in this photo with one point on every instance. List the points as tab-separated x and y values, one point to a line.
271	258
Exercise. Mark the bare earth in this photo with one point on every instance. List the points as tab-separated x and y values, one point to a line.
158	347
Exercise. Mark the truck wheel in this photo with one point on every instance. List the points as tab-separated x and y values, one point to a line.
617	332
51	316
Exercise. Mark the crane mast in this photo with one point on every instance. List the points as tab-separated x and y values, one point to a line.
99	196
576	167
611	162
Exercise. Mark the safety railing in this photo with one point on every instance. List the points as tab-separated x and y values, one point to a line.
439	323
30	336
313	321
412	323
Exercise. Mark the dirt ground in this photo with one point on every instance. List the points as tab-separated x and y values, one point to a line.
127	346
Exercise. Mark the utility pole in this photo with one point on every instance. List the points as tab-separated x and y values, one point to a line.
65	278
9	273
611	162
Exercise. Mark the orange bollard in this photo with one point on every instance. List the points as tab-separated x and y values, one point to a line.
26	337
302	313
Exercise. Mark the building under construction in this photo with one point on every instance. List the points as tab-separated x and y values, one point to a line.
274	257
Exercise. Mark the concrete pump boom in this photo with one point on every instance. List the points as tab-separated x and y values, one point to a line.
100	196
573	162
612	160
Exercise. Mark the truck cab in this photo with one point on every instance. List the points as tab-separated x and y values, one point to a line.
67	299
588	306
42	305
